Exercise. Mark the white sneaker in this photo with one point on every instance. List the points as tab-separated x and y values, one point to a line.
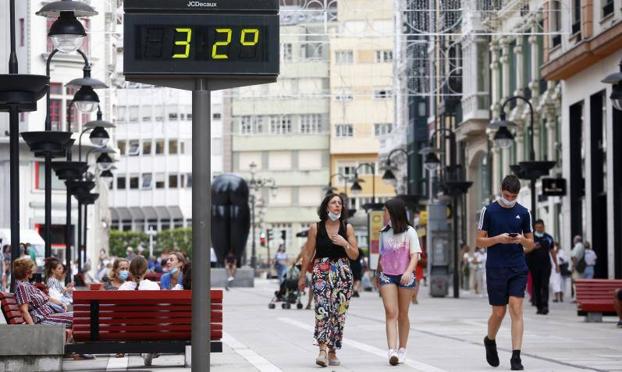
401	355
393	358
230	279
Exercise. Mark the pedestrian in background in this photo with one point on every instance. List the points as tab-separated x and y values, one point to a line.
560	276
280	263
357	274
539	262
590	258
399	253
330	243
465	269
505	231
422	264
130	254
479	270
2	268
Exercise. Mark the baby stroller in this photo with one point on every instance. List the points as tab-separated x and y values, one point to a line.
288	292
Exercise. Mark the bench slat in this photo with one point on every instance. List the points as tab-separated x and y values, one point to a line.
215	317
85	336
596	295
215	294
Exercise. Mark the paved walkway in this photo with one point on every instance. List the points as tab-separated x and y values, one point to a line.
446	335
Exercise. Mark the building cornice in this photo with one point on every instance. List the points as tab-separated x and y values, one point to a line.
584	54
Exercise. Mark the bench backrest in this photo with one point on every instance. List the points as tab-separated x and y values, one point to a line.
10	309
597	288
139	315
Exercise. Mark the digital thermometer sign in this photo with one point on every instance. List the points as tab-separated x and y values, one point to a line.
194	39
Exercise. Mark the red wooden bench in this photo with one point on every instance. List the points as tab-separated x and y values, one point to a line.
106	322
10	309
595	297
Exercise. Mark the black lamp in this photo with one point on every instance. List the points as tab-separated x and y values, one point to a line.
67	33
104	161
106	174
86	99
389	176
99	137
431	162
503	137
356	186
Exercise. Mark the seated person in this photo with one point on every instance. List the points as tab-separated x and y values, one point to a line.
35	306
118	275
174	277
138	270
54	277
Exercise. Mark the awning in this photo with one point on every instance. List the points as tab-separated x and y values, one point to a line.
25	236
113	214
162	213
150	213
137	213
175	213
123	213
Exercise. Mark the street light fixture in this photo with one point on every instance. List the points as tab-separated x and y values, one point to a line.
104	162
67	33
257	184
388	175
615	80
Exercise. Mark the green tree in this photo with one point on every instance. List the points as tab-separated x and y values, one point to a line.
179	239
120	240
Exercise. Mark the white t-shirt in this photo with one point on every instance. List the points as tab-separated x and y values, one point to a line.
590	257
145	285
395	250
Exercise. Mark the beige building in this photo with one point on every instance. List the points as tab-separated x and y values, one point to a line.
362	102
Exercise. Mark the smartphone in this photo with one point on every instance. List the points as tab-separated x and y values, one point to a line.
513	235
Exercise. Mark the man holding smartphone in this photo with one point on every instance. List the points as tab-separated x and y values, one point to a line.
505	230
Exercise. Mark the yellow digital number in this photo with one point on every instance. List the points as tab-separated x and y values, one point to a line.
217	44
251	31
185	43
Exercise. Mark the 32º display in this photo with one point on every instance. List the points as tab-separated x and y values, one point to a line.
201	43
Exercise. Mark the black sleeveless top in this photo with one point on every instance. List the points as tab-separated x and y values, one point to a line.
324	247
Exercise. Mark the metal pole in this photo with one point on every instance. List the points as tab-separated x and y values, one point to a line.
68	234
83	256
79	244
48	206
253	247
201	228
14	183
454	175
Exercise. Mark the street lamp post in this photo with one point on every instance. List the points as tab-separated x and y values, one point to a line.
455	187
356	186
530	170
256	184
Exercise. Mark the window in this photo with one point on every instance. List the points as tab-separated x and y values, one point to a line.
133	114
188	116
216	116
147	181
311	123
22	30
57	183
122	146
287	50
159	181
56	88
134	148
576	16
120	183
189	181
246	126
121	111
146	147
607	7
56	105
146	113
344	96
172	147
172	116
343	57
280	124
182	116
182	147
556	22
133	182
159	147
383	56
344	130
383	93
172	181
382	129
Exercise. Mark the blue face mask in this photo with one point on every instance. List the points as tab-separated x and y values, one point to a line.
123	275
174	270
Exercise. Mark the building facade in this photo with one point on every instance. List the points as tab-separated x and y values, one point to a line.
362	101
589	49
280	131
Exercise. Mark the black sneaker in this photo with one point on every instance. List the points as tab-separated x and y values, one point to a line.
516	364
620	324
492	357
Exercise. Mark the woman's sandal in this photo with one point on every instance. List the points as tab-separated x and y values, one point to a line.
322	358
332	358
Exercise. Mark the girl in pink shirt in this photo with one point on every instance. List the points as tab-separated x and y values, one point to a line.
399	253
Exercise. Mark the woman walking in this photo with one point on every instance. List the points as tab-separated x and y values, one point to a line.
399	253
330	243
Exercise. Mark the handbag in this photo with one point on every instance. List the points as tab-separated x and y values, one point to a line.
580	266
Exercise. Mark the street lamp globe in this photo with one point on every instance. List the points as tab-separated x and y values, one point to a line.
99	137
389	176
67	33
86	99
504	138
104	162
431	162
615	79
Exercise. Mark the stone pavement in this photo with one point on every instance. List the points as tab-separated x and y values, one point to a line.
446	335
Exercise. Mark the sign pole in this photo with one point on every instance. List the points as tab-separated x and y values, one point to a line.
201	227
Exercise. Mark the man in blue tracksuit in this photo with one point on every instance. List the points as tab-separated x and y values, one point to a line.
505	230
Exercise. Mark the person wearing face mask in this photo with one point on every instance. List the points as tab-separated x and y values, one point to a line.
330	243
173	278
504	229
539	263
118	275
